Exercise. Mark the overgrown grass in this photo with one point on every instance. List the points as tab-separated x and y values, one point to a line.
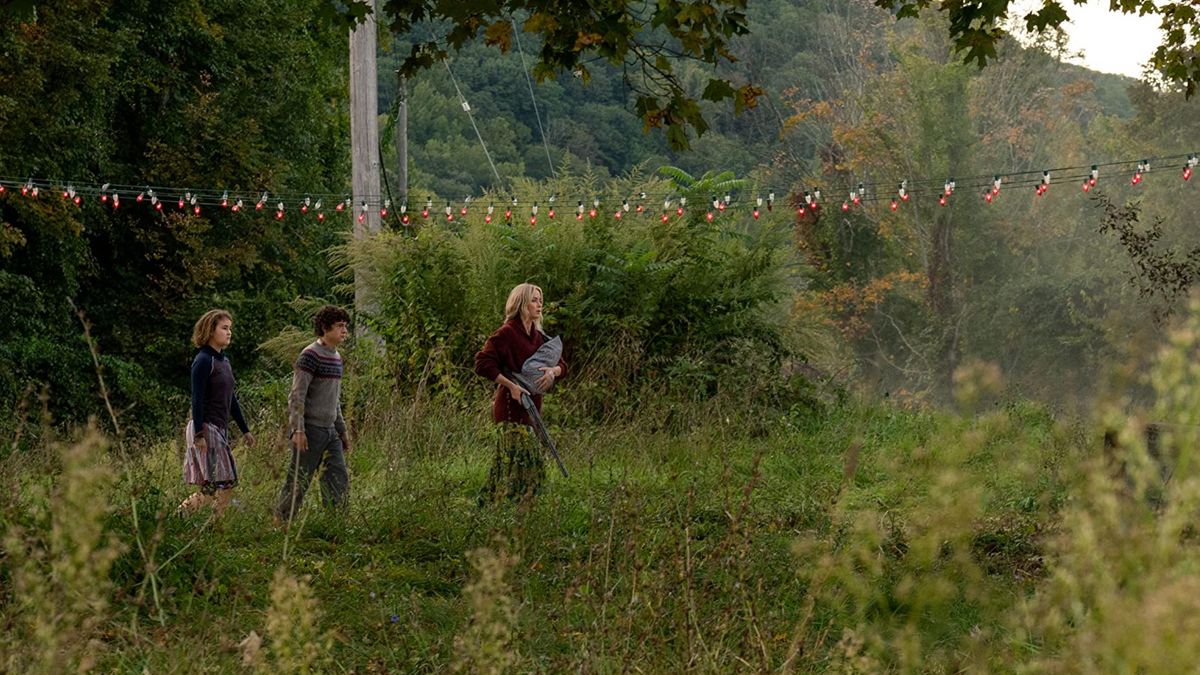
666	551
854	537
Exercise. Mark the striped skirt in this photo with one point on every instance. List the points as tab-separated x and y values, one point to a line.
212	469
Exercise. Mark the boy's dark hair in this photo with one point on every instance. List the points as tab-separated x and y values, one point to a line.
327	316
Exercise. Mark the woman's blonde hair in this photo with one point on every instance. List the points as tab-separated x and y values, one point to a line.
520	295
203	331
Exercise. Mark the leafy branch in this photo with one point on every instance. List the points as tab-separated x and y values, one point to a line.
644	39
1162	275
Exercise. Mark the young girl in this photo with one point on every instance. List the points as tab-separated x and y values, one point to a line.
208	462
517	470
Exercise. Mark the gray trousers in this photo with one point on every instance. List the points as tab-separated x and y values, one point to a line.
324	452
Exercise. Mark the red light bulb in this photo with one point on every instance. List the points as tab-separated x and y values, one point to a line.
894	205
755	212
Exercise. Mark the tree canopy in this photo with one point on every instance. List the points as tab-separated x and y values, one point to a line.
645	40
976	28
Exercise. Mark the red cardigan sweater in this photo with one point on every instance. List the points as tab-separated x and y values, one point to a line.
506	351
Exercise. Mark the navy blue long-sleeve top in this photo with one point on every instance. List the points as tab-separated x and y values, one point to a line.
214	399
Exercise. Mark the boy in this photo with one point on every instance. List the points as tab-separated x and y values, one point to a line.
315	424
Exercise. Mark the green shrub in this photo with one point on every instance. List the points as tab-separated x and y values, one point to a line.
637	301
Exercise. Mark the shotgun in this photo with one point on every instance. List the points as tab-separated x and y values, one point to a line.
539	427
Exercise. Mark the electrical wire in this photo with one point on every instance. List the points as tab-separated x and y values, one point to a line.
467	108
536	113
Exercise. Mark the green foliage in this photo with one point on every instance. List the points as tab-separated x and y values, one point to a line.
567	40
177	94
58	554
657	297
1028	284
489	643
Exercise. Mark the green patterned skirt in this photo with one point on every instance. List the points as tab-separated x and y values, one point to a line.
517	471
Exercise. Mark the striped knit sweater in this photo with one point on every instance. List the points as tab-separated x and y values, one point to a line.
315	398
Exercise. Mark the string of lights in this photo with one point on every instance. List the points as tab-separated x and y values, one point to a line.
893	193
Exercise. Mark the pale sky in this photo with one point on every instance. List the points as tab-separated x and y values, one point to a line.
1111	42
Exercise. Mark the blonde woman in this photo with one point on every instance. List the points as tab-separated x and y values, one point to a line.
517	470
208	462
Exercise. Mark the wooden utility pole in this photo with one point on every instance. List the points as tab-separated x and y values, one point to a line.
402	136
364	140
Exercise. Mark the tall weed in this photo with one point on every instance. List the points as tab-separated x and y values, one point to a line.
59	556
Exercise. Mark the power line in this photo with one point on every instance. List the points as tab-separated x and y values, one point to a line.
529	82
467	108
